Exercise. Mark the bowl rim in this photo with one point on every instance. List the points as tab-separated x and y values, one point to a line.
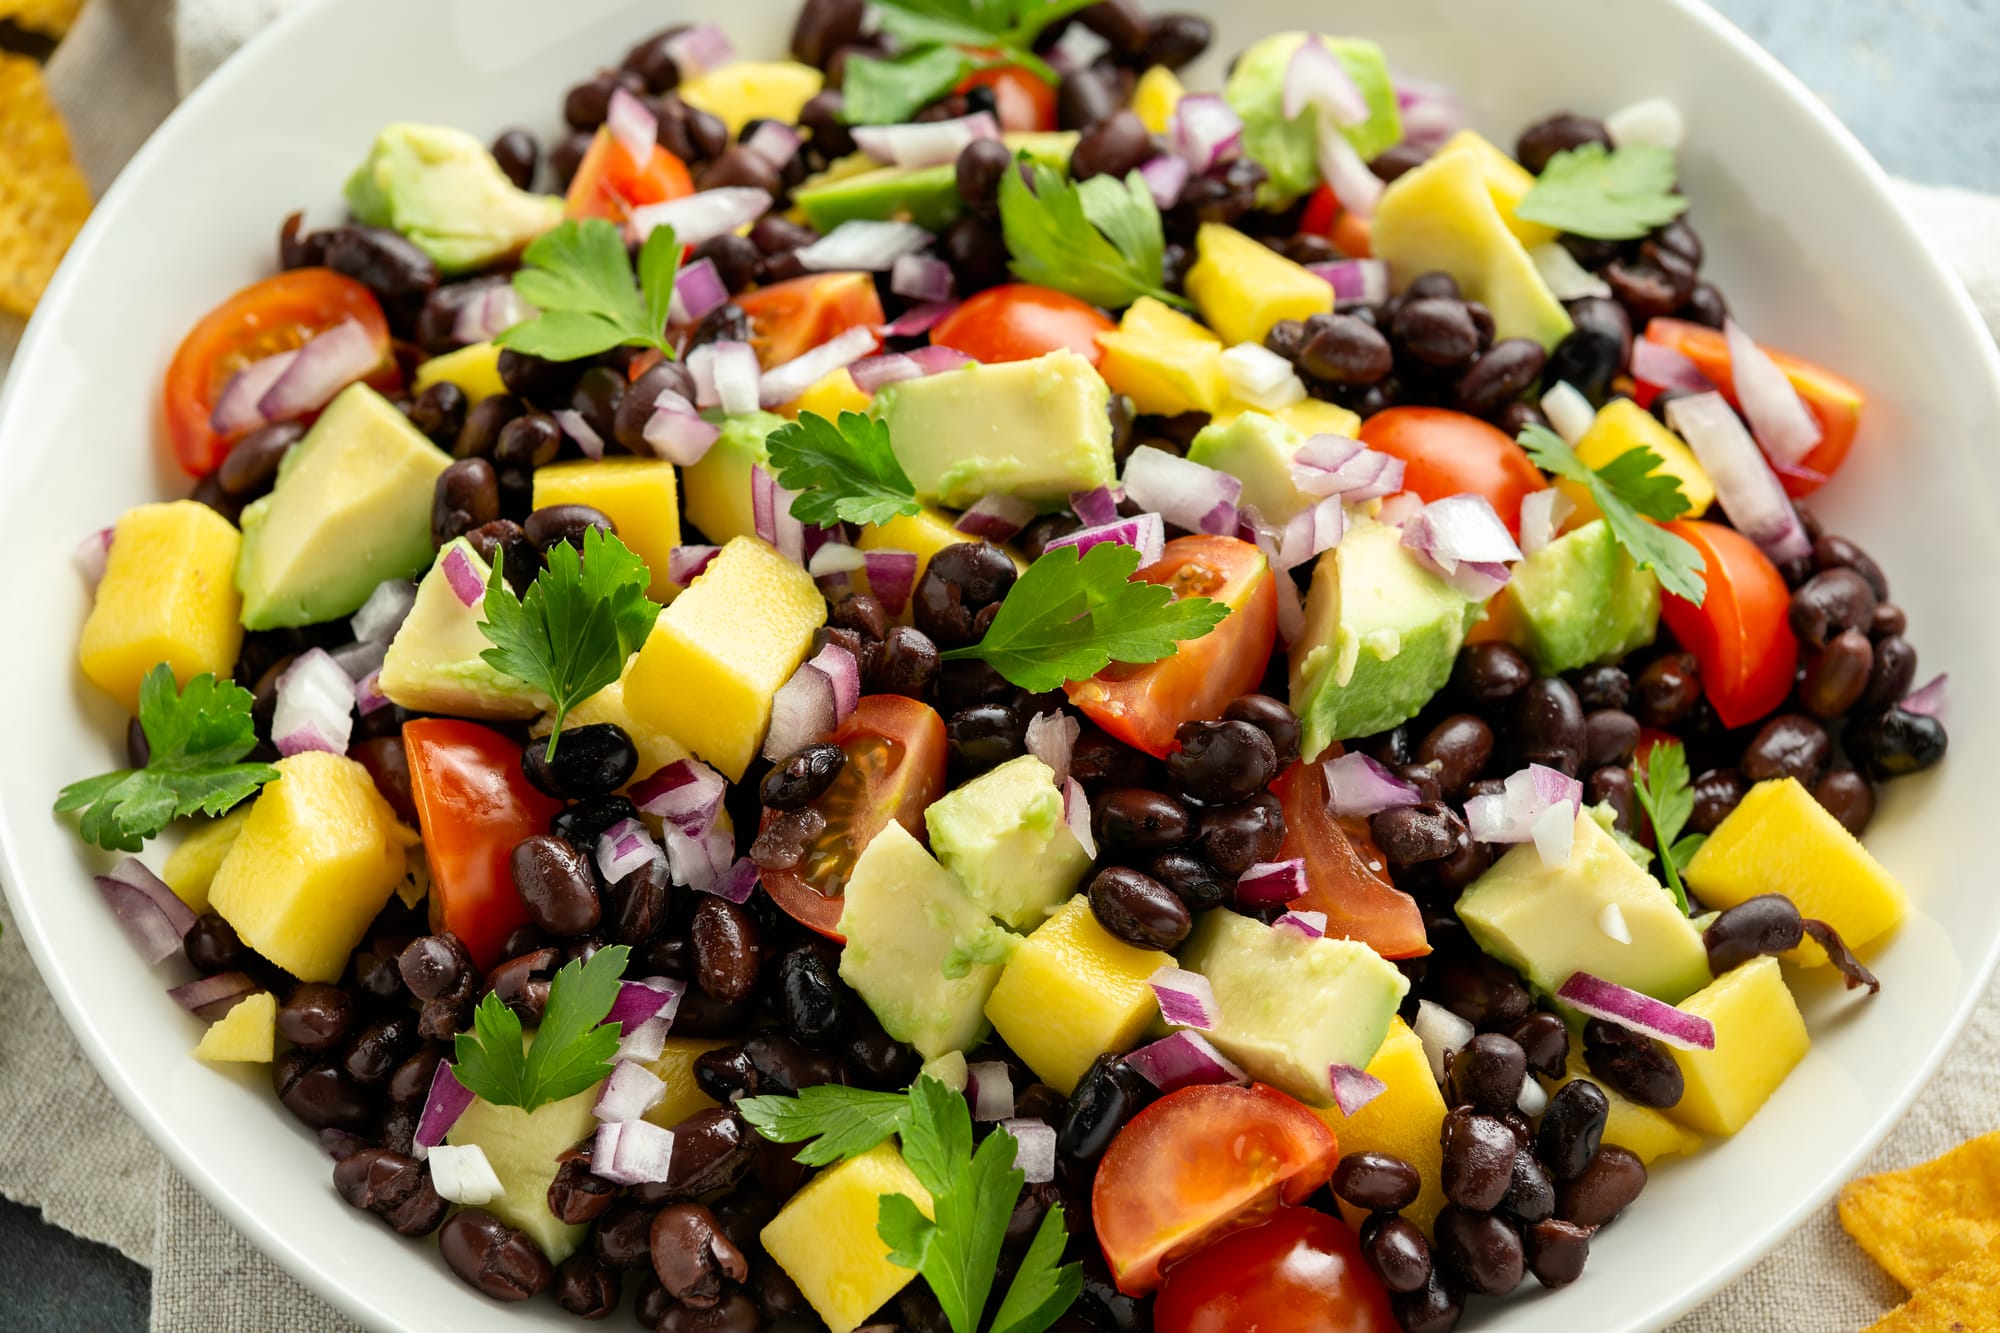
303	1265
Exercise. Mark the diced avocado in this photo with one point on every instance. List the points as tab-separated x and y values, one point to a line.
1256	448
1038	430
352	507
927	196
1163	361
1244	287
1441	217
440	188
1579	600
1542	921
919	950
1291	1007
522	1147
1508	182
1288	148
1381	634
434	663
746	90
717	489
1003	835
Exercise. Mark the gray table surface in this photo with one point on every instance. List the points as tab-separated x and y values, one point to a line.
1918	80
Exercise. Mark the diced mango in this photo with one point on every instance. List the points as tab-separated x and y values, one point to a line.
1164	361
1759	1037
1621	425
639	495
475	369
1243	287
522	1147
168	595
1404	1121
1781	840
826	1242
247	1034
1308	416
1071	991
747	90
1640	1130
656	748
722	649
675	1068
191	867
1507	181
318	856
829	396
1155	96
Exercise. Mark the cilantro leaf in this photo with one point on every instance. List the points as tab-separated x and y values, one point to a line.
570	636
1009	24
1043	1286
1067	619
579	278
886	90
844	472
196	737
1611	196
840	1121
1664	793
1100	240
572	1047
1629	490
489	1060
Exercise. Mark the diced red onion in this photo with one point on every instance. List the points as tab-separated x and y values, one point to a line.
686	793
1076	814
236	409
1460	529
1930	700
1355	281
1398	509
495	309
1185	493
1314	77
1353	1088
771	515
1272	883
686	563
918	319
1509	815
1315	529
1612	924
1746	488
1034	1149
1532	1101
1186	998
1291	611
1354	184
699	49
704	215
632	1152
368	696
1568	411
1554	834
1261	378
1641	1013
1182	1060
315	705
699	288
585	435
725	375
1165	176
1337	465
465	582
1206	131
1442	1032
1357	786
839	667
872	372
92	554
682	438
921	278
624	848
1144	531
356	660
802	711
736	880
774	141
892	576
935	360
325	365
996	517
925	143
1051	738
647	1042
1542	515
643	1001
1655	122
443	1105
1665	367
1312	925
989	1087
1097	506
461	1174
1779	418
633	126
630	1092
704	864
209	998
863	243
384	612
1078	48
1566	279
781	384
1431	112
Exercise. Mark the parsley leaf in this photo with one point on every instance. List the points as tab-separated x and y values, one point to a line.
1664	793
579	278
844	472
572	1048
1100	240
570	636
1043	1285
1628	490
1010	24
884	91
1067	619
840	1121
1611	196
196	737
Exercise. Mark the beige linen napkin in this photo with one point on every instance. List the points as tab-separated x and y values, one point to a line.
112	1186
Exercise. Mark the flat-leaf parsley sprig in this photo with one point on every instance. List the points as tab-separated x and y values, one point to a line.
1664	793
1606	195
572	1048
579	278
844	471
1100	240
1628	490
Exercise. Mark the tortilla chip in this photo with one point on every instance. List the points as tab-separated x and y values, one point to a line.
43	196
1965	1299
49	17
1918	1222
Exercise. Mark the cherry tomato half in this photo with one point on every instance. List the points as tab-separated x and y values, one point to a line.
1022	102
1018	321
1199	1162
1449	453
1349	231
264	319
790	318
1344	875
474	804
1142	705
1741	634
895	767
609	184
1300	1272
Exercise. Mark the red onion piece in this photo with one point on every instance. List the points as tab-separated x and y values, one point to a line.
368	696
236	410
725	376
1144	531
1460	529
1099	506
315	706
921	278
1641	1013
1312	925
892	576
783	383
844	673
700	49
491	313
466	585
1745	486
1309	532
1076	814
1261	378
918	319
872	372
1051	738
630	1092
1206	131
1355	281
624	848
1337	465
1186	998
1354	1088
935	360
682	438
645	1043
209	998
1182	1060
685	563
1291	611
361	659
1664	367
443	1105
686	793
1431	112
997	517
924	144
775	142
1779	418
1358	786
1034	1149
632	1152
1542	515
863	243
633	127
1928	700
384	612
1272	883
1314	77
1510	814
989	1087
1166	176
1357	187
802	711
574	426
699	289
703	863
704	215
771	513
325	365
736	880
1442	1032
92	554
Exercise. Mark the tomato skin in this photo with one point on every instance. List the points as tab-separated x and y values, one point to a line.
264	319
1359	903
1321	211
1349	231
1143	705
1023	103
609	184
1450	453
1019	321
872	793
1741	634
474	804
790	318
1353	235
1300	1272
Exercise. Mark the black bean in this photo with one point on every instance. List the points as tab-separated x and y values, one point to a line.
811	998
1434	285
589	761
1835	599
599	393
440	411
1116	146
587	104
378	1048
739	168
635	907
802	776
1888	621
393	1187
1840	553
1099	761
1593	352
316	1017
1837	675
321	1095
1502	373
411	1081
622	1236
1482	991
1482	1251
1138	909
1110	1093
1716	792
1633	1064
578	1195
692	1257
251	464
1848	797
1603	1189
213	946
1085	97
518	153
1667	690
1396	1252
861	613
435	966
780	844
1435	1308
1196	883
565	523
880	1060
1611	737
1572	1128
466	496
1271	716
1345	349
1651	284
484	422
824	26
555	883
1136	819
1398	160
1768	923
1487	1074
728	949
907	663
1221	763
1559	133
1706	306
587	1287
977	253
1176	39
986	735
1556	1250
1478	1160
1789	745
635	409
501	1262
1461	745
1414	834
1376	1181
528	442
1491	673
734	1313
1232	838
567	155
401	275
1600	687
1895	743
542	382
522	982
1437	331
1544	1042
960	581
1548	721
1890	674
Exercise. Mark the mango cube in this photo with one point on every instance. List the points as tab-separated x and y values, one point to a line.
1759	1037
1640	1130
317	858
1163	361
247	1034
826	1242
656	748
1781	840
1507	181
829	396
722	649
168	595
522	1147
746	90
474	369
1308	416
1404	1120
1622	425
639	496
675	1068
191	867
1155	96
1243	288
1070	991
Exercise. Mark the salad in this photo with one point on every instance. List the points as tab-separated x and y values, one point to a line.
959	687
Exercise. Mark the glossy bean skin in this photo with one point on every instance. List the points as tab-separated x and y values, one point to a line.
1848	797
1833	600
812	999
1110	1093
1376	1181
1436	1307
1491	673
1603	1189
587	1287
1716	793
555	881
1837	675
1232	838
316	1017
1896	743
1478	1160
1544	1042
1396	1252
1197	884
1633	1064
1274	718
1138	909
1482	1251
1790	745
728	949
1768	923
1221	763
578	1195
1530	1196
393	1187
493	1258
1556	1251
1140	820
1487	1074
1572	1128
1461	745
1548	720
692	1257
589	760
1667	690
714	1150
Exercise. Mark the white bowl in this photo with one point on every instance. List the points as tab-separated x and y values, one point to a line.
1800	233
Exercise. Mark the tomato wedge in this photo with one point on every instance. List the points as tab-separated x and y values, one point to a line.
1022	102
790	318
895	768
1199	1162
1450	453
474	804
1300	1272
264	319
609	184
1741	634
1344	875
1834	400
1142	705
1349	231
1019	321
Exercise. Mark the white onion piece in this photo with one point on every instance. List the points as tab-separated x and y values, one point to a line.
1568	411
1165	176
725	375
1441	1031
1291	611
1076	814
1184	493
1779	418
630	1092
1567	280
92	554
1532	1101
1357	187
1186	999
835	558
682	438
645	1043
1357	786
863	243
1655	123
1261	378
686	793
585	435
384	612
1206	131
1626	1007
892	576
1510	814
686	563
775	142
1355	281
1314	77
1554	834
324	366
461	1174
632	1152
1034	1149
1353	1088
1460	529
1611	922
1077	48
633	126
1746	488
360	659
368	696
1272	883
236	409
1312	925
1144	531
926	143
1542	515
703	215
1051	738
700	49
921	277
783	383
1182	1060
462	578
315	706
989	1086
997	517
443	1105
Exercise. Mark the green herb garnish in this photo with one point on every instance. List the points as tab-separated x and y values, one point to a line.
572	1048
579	277
1610	196
1099	240
1628	490
1664	793
839	1121
935	35
844	471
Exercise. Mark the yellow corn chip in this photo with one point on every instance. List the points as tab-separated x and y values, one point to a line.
43	197
1965	1299
1918	1222
51	18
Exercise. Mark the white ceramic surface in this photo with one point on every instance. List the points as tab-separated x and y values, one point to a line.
1800	234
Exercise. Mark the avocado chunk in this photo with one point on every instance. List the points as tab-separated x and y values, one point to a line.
1579	600
716	490
440	188
1038	430
1382	631
927	196
1257	449
1003	835
1442	217
1542	921
351	507
522	1148
1292	1007
434	663
919	950
1288	148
